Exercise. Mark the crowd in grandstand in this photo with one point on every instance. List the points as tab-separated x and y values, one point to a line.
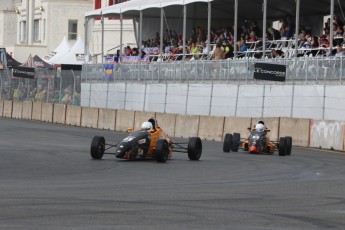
279	42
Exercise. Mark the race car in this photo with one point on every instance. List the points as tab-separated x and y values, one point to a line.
150	142
258	142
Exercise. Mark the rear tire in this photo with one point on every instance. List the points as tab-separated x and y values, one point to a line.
162	150
97	147
288	145
194	148
227	144
236	139
282	146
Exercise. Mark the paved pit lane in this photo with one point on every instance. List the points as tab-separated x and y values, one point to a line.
49	181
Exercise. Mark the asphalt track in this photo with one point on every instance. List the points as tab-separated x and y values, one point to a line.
48	181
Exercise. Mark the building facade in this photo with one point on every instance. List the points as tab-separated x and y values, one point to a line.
38	26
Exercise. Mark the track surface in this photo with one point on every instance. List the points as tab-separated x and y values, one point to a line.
48	181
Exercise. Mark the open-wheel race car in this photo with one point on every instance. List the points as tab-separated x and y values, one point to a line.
150	142
258	142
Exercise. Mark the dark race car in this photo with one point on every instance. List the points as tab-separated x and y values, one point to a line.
146	144
258	142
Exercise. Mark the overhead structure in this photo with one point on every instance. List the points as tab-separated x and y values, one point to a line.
222	13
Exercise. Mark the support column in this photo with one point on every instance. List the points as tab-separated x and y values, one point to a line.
121	33
298	2
209	27
140	34
235	27
161	33
331	28
264	27
184	30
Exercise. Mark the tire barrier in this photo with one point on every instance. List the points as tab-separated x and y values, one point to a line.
304	132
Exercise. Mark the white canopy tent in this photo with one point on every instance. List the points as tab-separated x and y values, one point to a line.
63	48
222	10
75	56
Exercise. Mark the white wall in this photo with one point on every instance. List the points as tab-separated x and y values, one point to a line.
308	101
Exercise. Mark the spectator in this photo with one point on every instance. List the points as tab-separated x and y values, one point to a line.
339	52
229	50
218	53
195	51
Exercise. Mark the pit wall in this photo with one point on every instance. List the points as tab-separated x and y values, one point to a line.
304	132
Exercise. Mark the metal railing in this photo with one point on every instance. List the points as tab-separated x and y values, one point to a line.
303	70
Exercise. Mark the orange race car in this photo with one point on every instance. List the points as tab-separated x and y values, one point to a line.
150	142
257	142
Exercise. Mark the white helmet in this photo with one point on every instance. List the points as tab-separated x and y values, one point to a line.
146	125
260	127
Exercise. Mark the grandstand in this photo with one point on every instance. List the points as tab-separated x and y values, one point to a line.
310	66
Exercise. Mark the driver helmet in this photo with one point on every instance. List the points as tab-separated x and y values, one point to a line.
261	122
260	127
146	125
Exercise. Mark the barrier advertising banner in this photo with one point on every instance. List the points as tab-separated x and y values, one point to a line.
23	72
269	72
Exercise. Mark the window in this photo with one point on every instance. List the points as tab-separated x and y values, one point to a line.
36	30
23	32
44	30
98	4
72	29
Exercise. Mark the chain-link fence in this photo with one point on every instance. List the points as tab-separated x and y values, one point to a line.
53	86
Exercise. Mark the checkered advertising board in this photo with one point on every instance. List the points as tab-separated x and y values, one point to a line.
269	72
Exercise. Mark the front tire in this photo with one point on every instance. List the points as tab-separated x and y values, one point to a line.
97	147
194	148
288	145
236	140
162	150
227	144
282	146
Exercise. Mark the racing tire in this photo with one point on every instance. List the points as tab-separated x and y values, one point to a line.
236	140
282	146
194	148
288	145
162	150
97	147
227	144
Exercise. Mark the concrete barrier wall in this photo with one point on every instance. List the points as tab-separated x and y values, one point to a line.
73	115
140	117
27	110
237	125
187	126
17	109
47	112
327	134
167	122
1	107
211	128
124	120
7	111
106	119
59	113
298	129
36	111
89	117
304	132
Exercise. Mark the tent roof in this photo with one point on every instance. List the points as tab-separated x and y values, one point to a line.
40	64
248	9
72	56
59	51
11	61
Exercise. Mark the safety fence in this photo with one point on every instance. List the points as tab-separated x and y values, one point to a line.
54	86
319	70
304	132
